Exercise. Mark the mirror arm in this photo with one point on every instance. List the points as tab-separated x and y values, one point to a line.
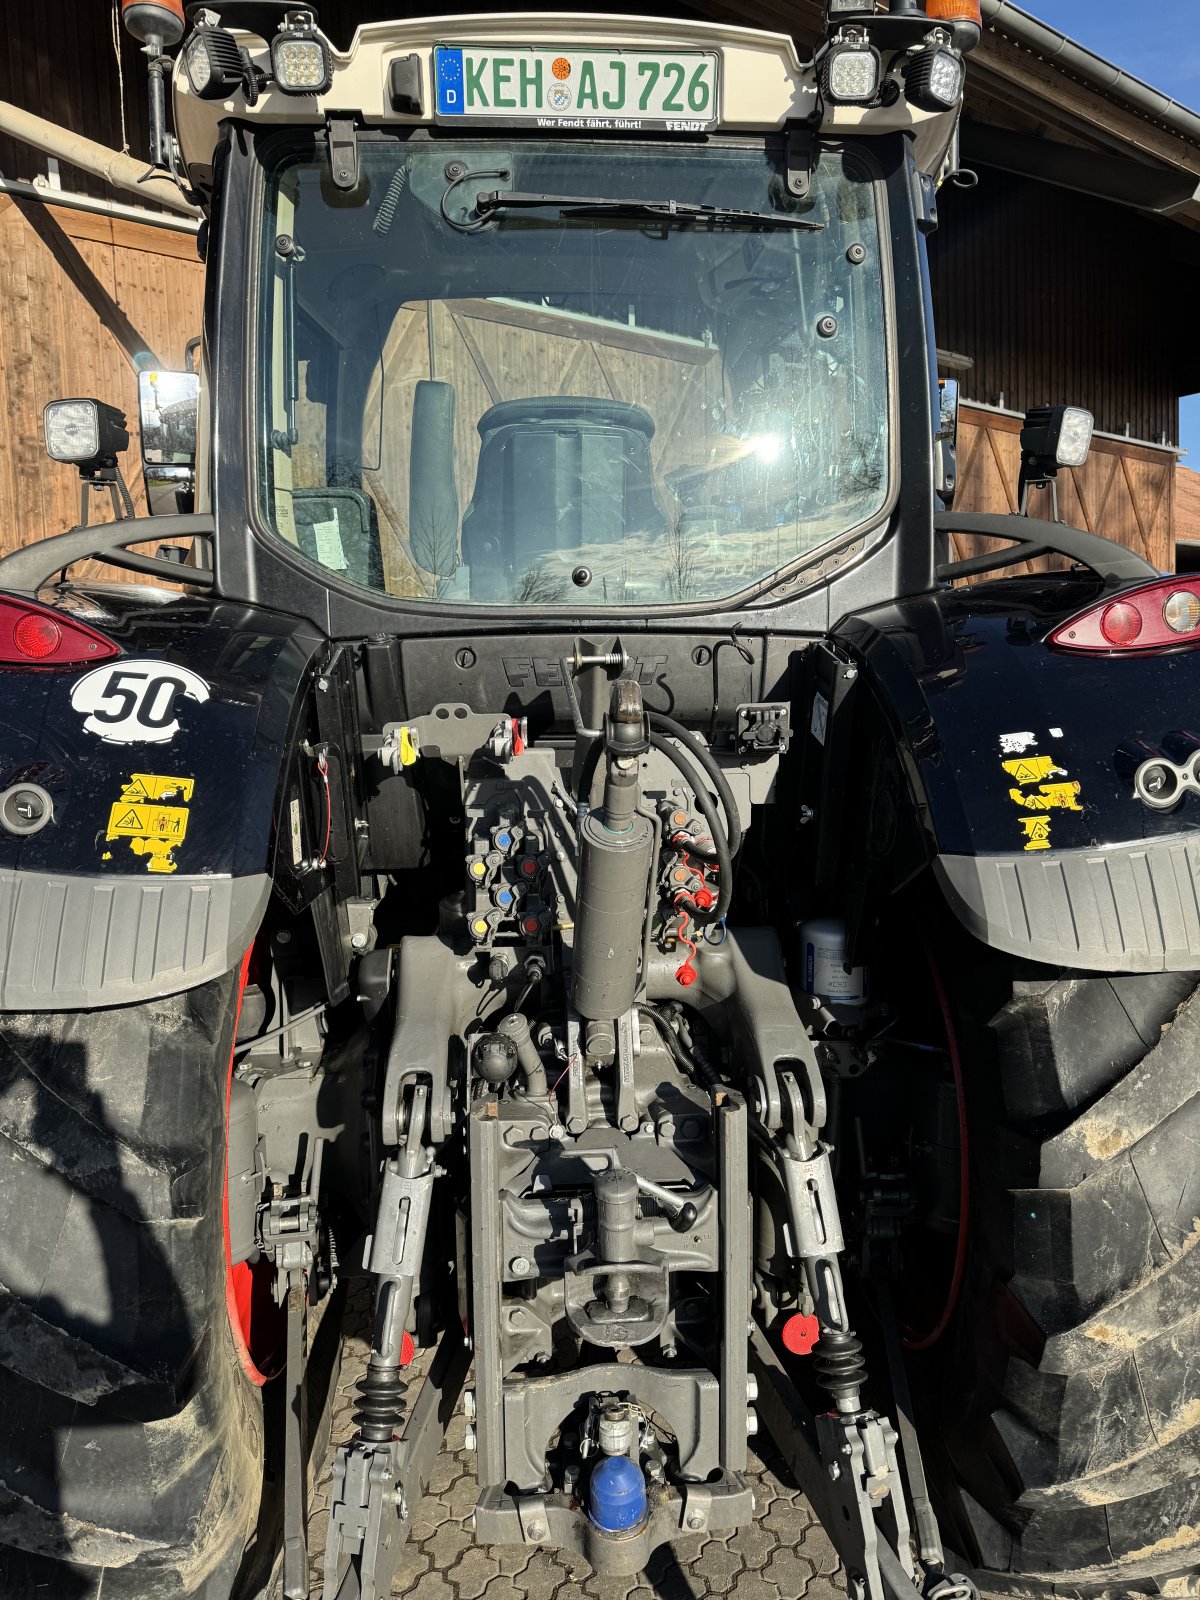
27	569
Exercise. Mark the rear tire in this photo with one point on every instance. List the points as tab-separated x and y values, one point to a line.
1071	1416
131	1451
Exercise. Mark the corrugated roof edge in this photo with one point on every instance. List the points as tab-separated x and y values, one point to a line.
1091	68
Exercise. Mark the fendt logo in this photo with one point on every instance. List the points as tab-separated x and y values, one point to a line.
545	672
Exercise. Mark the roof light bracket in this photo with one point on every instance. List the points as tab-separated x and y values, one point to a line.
801	159
343	151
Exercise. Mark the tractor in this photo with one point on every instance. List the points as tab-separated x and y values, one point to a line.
569	834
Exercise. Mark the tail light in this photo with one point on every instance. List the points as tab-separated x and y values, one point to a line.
1162	615
35	636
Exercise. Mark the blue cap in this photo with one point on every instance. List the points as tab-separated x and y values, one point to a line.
617	1494
503	840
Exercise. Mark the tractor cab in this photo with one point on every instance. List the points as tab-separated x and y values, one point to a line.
532	312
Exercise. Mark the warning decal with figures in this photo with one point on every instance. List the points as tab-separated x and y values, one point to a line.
152	815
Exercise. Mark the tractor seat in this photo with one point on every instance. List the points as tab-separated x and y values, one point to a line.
556	473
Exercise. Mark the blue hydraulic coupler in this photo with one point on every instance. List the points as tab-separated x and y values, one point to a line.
617	1495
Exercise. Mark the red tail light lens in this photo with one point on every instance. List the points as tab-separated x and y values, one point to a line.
1120	623
34	635
1162	615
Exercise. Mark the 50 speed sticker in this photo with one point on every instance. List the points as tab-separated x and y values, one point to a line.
152	816
133	702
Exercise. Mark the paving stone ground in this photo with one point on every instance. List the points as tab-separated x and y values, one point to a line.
782	1555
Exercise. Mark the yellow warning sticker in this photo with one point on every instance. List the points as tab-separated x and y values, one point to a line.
1040	786
1037	832
152	815
1049	797
1031	769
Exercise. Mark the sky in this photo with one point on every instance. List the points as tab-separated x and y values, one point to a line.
1158	41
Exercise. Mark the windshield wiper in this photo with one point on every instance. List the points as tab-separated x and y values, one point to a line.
571	206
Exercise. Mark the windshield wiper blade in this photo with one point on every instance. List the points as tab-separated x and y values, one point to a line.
570	206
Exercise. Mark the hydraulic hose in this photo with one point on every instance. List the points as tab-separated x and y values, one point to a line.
695	782
699	1072
661	723
587	773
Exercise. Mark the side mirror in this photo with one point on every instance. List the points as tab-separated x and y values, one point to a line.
168	407
945	467
1053	437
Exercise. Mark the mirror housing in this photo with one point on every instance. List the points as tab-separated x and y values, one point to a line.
945	440
168	408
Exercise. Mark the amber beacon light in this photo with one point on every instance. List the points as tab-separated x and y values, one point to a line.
955	11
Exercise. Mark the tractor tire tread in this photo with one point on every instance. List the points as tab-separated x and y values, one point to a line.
131	1458
1085	1468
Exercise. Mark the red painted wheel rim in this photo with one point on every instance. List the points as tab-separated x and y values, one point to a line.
256	1322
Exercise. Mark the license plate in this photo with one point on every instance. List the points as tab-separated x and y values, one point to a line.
616	89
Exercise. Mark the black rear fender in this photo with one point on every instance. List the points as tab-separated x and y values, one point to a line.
165	772
1009	766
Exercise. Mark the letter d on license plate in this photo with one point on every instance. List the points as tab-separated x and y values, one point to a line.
615	89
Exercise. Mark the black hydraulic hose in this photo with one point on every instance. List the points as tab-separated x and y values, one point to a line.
700	1073
664	724
679	1055
674	1045
708	811
695	782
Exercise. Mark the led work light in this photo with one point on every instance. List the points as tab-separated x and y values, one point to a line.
300	58
934	79
850	72
1053	437
84	433
215	64
1057	436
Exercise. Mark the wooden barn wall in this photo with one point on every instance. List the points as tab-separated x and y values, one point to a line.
57	60
82	294
1057	298
1123	491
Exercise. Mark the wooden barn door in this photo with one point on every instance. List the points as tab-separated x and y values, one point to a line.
83	294
1124	491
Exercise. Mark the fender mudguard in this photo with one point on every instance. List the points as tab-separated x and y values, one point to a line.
166	769
1019	761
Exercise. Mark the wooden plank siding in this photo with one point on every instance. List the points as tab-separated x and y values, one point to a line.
81	293
1124	491
1187	504
1058	299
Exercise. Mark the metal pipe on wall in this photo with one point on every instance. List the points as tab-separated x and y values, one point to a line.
111	166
